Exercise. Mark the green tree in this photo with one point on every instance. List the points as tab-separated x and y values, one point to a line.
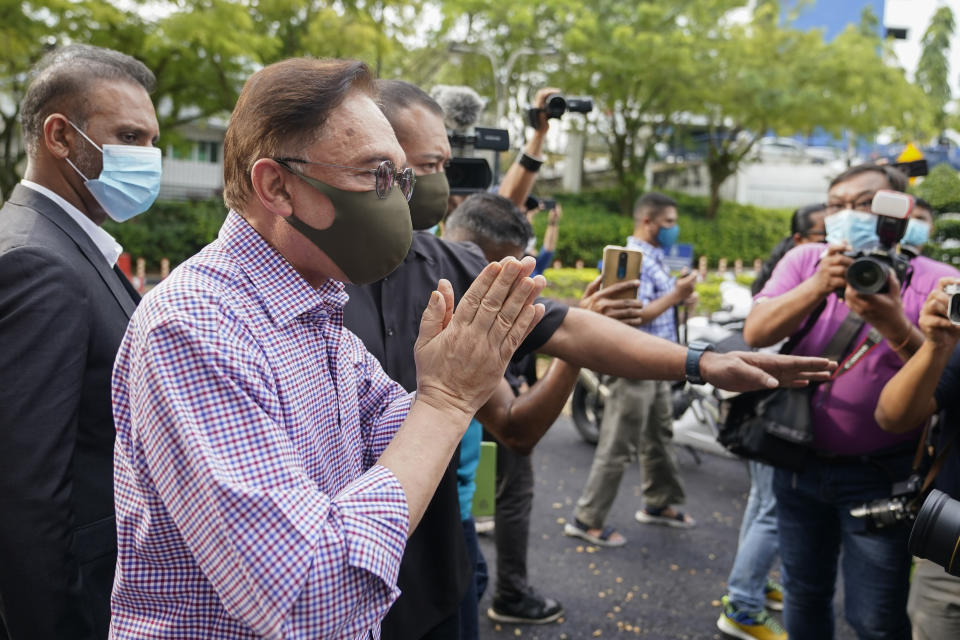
933	66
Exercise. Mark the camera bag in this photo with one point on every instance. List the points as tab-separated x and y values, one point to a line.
773	425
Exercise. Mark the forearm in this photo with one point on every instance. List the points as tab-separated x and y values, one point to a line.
421	450
771	320
588	339
907	399
655	308
531	414
518	181
550	237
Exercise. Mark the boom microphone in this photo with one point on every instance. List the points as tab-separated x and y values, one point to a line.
461	106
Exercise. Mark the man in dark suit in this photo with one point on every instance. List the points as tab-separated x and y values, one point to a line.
89	128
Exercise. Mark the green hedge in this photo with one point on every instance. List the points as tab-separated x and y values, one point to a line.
590	221
941	189
172	230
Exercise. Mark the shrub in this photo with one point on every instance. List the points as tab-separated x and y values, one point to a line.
590	222
172	230
941	189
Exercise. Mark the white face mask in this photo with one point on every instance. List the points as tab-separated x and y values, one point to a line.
129	181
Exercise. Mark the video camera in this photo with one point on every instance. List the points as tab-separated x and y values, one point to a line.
461	110
556	105
901	506
871	267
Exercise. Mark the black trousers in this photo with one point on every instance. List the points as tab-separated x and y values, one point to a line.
512	521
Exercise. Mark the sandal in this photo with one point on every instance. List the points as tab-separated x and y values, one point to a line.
652	515
577	529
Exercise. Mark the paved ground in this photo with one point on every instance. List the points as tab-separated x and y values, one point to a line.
665	583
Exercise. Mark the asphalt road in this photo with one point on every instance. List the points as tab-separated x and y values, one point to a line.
664	583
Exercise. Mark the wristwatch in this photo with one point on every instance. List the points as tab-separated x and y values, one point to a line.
692	367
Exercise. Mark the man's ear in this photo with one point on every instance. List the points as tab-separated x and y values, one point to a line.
270	183
58	135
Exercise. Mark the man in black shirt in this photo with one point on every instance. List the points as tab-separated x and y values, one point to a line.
386	315
929	382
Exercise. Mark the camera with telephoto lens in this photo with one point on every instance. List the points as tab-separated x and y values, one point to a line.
871	268
901	506
556	105
936	533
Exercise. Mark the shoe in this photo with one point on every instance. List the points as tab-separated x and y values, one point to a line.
577	529
747	625
651	515
774	594
531	608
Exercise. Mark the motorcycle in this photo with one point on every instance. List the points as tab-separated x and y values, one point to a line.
696	408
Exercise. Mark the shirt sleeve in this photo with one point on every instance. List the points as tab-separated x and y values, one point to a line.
269	541
790	272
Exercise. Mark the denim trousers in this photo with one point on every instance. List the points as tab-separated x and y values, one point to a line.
759	544
818	535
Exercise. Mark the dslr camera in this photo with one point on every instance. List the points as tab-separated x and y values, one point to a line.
556	105
871	267
901	506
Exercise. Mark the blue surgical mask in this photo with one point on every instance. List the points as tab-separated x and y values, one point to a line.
917	233
856	228
667	236
129	181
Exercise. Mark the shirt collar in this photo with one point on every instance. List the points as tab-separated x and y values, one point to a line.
105	242
647	248
286	294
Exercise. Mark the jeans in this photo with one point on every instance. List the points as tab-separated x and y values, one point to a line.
814	521
469	618
512	522
758	546
638	415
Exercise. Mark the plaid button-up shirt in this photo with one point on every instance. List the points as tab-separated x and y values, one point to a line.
655	282
248	426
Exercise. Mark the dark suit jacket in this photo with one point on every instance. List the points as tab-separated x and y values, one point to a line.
63	312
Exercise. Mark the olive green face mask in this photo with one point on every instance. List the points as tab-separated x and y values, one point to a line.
369	236
429	201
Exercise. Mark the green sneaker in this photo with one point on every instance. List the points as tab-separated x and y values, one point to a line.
749	625
774	594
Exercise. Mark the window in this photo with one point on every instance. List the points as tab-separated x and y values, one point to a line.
208	151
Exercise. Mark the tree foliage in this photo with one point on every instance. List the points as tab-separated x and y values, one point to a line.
933	67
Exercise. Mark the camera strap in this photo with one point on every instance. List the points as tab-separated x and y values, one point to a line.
937	463
839	344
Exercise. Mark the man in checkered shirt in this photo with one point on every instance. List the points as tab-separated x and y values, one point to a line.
267	472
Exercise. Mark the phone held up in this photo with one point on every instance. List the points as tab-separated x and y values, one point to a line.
620	264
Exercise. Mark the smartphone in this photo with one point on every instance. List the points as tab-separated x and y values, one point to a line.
619	264
548	203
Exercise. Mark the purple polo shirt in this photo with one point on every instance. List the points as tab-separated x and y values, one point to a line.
843	409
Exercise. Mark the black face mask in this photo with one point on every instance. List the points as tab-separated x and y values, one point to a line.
428	204
369	237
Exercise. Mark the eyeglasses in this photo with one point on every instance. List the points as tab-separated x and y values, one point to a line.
386	175
864	204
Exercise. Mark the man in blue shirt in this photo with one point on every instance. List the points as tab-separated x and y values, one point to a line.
639	413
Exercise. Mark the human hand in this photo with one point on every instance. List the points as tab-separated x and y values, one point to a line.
691	302
883	311
832	270
604	301
539	101
685	286
934	319
461	356
750	370
554	215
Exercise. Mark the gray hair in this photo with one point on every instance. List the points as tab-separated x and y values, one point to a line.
487	220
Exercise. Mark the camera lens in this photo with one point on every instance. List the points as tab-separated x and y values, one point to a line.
936	533
555	105
868	275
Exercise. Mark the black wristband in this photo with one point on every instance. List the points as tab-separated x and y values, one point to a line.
529	163
692	365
